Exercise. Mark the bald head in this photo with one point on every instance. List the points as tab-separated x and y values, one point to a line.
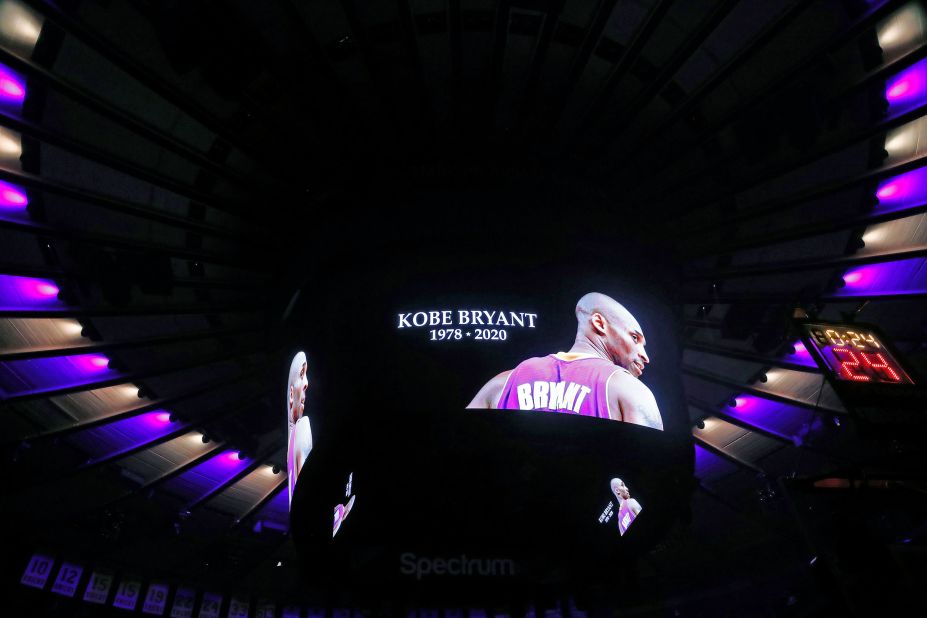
297	384
604	325
596	302
620	489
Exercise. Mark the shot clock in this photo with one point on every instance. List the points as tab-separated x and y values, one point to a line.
855	353
863	367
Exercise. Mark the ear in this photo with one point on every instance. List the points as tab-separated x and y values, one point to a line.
292	395
599	323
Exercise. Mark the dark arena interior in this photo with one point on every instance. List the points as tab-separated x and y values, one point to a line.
421	255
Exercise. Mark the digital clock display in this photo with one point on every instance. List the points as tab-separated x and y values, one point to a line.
855	354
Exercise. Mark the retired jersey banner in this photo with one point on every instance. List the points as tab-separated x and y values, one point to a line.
101	582
210	605
155	599
67	580
127	594
37	571
184	601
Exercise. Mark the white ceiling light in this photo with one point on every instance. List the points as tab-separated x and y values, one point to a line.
20	27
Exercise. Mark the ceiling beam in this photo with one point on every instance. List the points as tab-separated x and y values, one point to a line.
811	60
132	209
528	98
695	96
639	39
148	78
146	405
132	123
740	386
73	274
603	13
129	344
124	166
670	67
725	352
132	376
780	204
799	232
776	268
727	455
76	236
256	461
134	309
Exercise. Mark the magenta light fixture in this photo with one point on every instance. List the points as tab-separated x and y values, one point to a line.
90	363
12	87
903	191
908	89
149	421
898	90
854	277
46	289
12	198
800	356
27	292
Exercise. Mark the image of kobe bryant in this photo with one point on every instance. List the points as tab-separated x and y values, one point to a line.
628	507
598	376
299	432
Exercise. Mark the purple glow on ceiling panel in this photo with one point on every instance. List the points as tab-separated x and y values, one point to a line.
41	374
781	419
205	476
12	88
276	513
122	435
710	466
28	293
801	356
908	89
886	278
13	200
903	191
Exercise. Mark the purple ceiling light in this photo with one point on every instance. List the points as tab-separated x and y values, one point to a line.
903	191
907	276
12	88
120	436
42	374
206	476
741	402
784	420
28	293
908	89
800	356
12	198
91	363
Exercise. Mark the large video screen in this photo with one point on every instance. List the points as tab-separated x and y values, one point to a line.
477	400
299	428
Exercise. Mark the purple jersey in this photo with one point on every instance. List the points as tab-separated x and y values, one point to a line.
625	517
552	384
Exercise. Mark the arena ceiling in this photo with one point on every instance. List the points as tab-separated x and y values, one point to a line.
172	171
